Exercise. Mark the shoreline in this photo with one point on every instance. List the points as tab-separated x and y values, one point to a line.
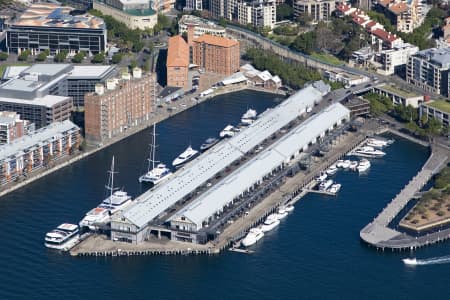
160	115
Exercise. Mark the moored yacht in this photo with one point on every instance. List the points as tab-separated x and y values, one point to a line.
281	213
64	237
249	117
332	170
184	157
325	185
353	165
346	164
290	208
334	188
378	143
367	151
364	165
339	163
270	223
254	235
228	131
155	174
208	143
322	177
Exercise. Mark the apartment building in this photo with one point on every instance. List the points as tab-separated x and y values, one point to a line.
405	15
318	10
12	127
259	13
177	62
121	104
394	60
47	26
199	27
428	69
216	54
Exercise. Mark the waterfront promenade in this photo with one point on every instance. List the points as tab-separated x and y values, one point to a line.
378	234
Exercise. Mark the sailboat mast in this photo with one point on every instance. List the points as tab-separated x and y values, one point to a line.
154	145
112	182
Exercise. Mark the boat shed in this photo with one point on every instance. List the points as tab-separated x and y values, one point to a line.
130	225
204	209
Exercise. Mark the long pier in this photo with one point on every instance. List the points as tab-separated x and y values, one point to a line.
378	234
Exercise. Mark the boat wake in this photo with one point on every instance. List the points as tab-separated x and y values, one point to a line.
428	261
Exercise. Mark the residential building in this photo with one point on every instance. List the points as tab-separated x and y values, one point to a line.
199	27
121	104
258	13
12	127
394	60
193	5
428	69
135	14
216	54
398	95
38	94
177	62
405	15
318	10
218	9
163	6
444	41
439	109
51	27
32	152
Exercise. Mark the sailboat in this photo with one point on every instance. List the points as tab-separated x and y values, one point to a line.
155	174
117	200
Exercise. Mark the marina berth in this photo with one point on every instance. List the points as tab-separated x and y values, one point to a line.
325	185
64	237
133	224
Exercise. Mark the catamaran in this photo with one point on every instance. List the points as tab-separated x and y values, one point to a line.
100	216
155	174
64	237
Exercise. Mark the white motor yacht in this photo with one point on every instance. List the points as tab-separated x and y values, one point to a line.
270	223
249	117
322	177
346	164
325	185
334	188
353	165
208	143
410	261
228	131
290	208
184	157
254	235
367	151
155	174
332	170
377	143
282	213
64	237
364	165
339	163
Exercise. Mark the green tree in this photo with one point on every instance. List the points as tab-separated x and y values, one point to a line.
137	46
3	56
116	58
133	64
223	22
284	11
305	42
98	58
24	55
61	56
43	55
78	58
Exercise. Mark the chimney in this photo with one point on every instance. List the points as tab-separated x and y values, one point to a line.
99	89
137	73
110	84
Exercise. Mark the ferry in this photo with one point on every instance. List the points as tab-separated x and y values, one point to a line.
325	185
64	237
249	117
184	157
335	188
332	170
270	223
100	215
363	166
228	131
367	151
208	143
158	173
254	235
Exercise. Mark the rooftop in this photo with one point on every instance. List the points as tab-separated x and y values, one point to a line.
216	40
178	52
441	105
196	21
47	101
90	72
54	15
439	56
397	90
38	136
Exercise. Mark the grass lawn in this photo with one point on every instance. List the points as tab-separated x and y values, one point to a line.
328	58
441	105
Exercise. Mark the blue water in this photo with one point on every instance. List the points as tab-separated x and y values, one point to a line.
315	252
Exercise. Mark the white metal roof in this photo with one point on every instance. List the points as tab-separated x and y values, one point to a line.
235	78
39	136
241	179
47	101
90	71
153	202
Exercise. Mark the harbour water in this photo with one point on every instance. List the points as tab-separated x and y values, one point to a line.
314	253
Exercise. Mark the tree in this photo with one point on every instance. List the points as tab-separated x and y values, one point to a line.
78	58
116	58
137	46
24	55
284	11
3	56
61	56
304	19
133	64
43	55
223	22
98	58
305	42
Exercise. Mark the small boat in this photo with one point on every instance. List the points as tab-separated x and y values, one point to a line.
290	208
208	143
228	131
64	237
410	261
378	143
363	166
367	151
346	164
332	170
249	117
353	165
322	177
184	157
270	223
325	185
334	189
339	163
282	213
253	236
155	174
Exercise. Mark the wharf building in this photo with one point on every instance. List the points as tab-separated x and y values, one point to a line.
199	27
140	220
34	151
206	209
135	14
216	54
51	27
428	69
177	62
120	105
12	127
